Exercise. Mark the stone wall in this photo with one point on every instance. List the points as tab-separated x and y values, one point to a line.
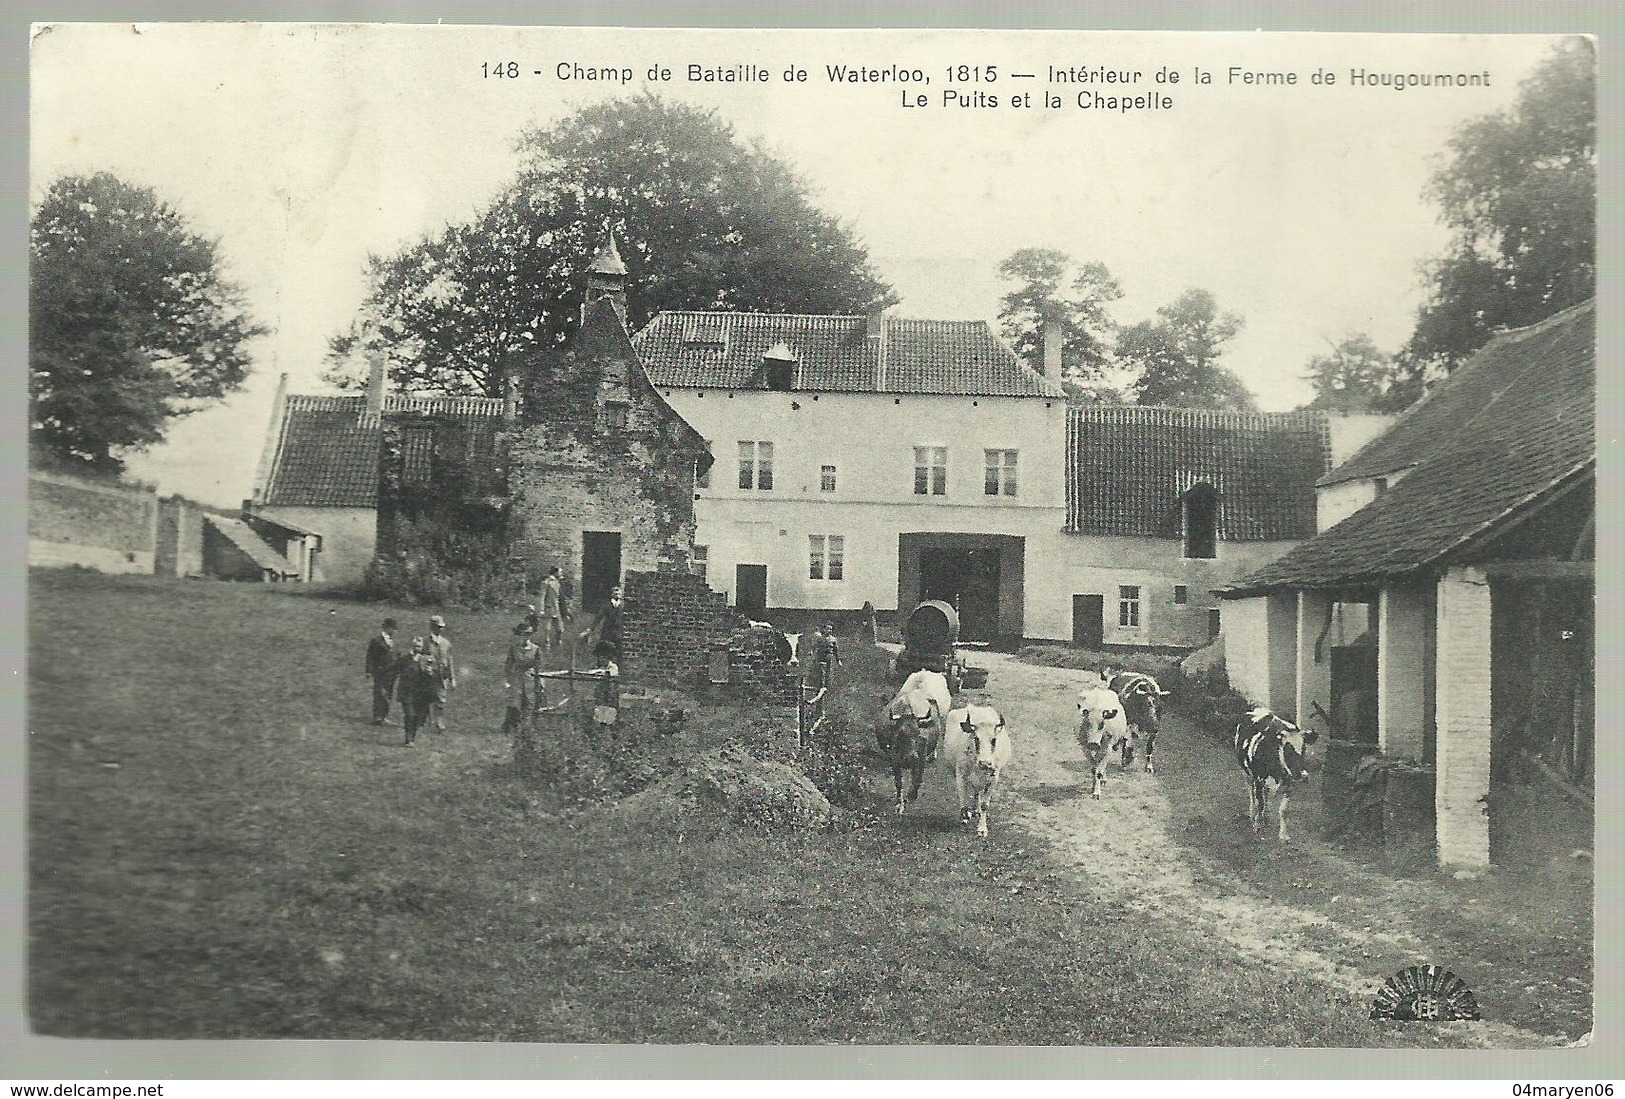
105	526
179	550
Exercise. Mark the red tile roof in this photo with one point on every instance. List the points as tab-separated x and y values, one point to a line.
327	448
710	350
1513	424
1128	468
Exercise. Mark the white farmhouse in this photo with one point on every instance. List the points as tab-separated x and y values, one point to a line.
869	459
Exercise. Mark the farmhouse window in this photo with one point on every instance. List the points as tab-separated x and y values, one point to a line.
702	476
1128	605
826	479
826	557
1000	467
1182	594
930	471
699	563
756	466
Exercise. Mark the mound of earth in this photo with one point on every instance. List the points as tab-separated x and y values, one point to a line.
730	786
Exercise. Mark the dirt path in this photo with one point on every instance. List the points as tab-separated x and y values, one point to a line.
1124	848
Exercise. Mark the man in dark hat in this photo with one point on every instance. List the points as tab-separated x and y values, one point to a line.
381	668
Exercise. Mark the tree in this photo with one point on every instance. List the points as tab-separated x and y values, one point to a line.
1355	376
1519	196
131	321
703	221
1052	288
1176	357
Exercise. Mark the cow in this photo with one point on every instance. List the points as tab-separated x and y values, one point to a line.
932	683
1101	728
1142	706
980	746
912	730
1270	750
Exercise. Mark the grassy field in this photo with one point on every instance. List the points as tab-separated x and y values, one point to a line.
221	845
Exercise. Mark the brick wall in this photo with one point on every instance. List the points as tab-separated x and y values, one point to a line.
671	620
73	521
1463	684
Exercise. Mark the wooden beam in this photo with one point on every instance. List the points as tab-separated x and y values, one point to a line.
1540	570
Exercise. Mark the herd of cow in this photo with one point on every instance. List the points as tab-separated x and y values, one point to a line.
1119	717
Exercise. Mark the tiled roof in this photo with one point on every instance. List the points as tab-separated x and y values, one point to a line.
1511	424
835	355
1128	468
240	535
327	447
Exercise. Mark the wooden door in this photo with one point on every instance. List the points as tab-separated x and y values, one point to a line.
600	566
1089	621
750	587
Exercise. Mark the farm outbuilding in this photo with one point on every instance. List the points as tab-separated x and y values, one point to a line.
1467	553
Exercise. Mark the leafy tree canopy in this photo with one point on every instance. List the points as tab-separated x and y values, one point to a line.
131	321
1176	356
703	221
1051	288
1353	377
1519	194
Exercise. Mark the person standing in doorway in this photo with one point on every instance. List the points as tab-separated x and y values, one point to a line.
608	623
552	625
381	668
439	646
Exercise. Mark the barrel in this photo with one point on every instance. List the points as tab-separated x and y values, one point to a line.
929	635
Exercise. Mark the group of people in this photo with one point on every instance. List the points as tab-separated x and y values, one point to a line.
419	677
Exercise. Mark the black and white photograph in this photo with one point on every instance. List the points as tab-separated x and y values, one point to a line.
860	538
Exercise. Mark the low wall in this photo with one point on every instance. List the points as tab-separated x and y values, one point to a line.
103	526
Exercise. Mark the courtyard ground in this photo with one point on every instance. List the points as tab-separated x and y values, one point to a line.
222	845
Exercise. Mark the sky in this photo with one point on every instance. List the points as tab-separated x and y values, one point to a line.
305	148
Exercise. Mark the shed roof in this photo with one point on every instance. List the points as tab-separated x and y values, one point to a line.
239	534
327	447
1512	425
1128	468
719	350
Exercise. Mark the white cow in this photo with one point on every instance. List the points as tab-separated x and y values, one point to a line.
934	684
1102	726
980	746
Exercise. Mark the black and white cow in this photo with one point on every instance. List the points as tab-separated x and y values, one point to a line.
1142	706
1270	751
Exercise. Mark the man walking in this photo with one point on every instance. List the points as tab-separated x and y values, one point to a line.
520	670
416	681
381	668
439	646
552	611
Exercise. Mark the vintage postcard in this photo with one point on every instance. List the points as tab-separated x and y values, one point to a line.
802	537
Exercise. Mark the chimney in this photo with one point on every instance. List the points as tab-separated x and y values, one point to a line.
510	399
876	322
377	364
874	329
1053	339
